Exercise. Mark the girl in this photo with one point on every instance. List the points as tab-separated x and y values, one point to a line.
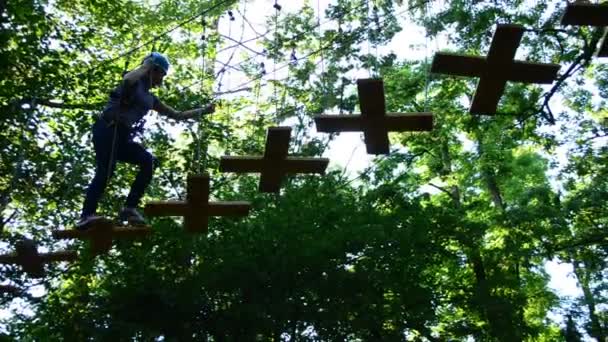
113	134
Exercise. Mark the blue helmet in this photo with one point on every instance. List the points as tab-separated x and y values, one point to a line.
158	60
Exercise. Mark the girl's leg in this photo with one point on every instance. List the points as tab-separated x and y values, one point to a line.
103	137
134	153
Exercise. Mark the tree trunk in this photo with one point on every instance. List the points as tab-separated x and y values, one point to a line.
596	330
446	169
2	9
506	318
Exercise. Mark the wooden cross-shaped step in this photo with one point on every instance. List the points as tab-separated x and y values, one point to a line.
374	122
197	209
585	14
603	49
9	289
33	262
496	69
102	233
588	14
275	163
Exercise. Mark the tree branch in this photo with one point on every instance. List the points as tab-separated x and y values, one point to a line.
580	62
587	241
444	190
62	105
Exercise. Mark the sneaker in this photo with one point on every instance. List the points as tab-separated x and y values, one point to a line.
132	216
85	221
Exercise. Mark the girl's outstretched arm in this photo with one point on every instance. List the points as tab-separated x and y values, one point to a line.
170	112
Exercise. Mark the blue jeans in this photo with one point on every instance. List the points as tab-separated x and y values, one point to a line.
125	150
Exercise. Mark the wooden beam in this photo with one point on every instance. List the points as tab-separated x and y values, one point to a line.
603	49
496	69
410	122
236	208
374	122
373	109
338	123
458	65
9	289
31	261
102	233
275	163
277	143
527	72
197	209
165	208
585	14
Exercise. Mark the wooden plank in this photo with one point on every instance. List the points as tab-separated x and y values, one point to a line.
338	123
237	208
402	122
101	234
198	190
500	57
603	49
527	72
275	153
100	237
458	65
8	258
197	209
277	143
165	208
585	14
197	219
373	108
371	96
131	232
26	255
487	95
9	289
271	180
241	164
59	256
373	146
496	69
274	164
504	45
29	259
306	165
66	234
196	223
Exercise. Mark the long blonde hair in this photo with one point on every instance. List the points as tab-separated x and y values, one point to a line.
137	73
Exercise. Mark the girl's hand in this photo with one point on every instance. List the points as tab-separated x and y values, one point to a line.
208	109
196	113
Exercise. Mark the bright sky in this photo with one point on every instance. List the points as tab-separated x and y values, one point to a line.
348	150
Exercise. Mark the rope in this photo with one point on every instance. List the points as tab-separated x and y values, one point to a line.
320	34
294	38
112	151
426	63
323	78
277	8
155	38
307	56
377	22
369	49
201	123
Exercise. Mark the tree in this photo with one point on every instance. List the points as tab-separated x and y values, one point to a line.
443	239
